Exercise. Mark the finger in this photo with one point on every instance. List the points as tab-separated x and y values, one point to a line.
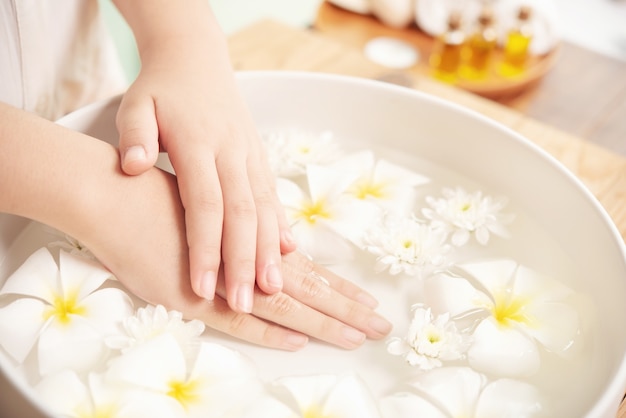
268	256
296	316
201	196
139	134
287	240
219	316
299	264
239	237
316	292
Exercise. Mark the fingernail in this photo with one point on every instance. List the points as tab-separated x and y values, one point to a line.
274	277
207	285
353	336
134	153
367	299
295	341
288	237
380	325
243	298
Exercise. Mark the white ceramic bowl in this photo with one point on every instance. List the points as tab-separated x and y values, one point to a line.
444	134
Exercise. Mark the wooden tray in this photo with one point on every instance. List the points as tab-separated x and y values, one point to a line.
356	30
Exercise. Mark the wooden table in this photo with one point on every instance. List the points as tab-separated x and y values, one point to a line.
583	93
270	45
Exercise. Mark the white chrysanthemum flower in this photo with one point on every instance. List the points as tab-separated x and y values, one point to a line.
430	341
324	221
210	385
290	151
462	392
62	310
518	310
344	396
388	185
152	321
465	214
404	245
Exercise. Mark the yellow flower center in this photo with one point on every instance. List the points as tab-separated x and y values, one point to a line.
466	206
101	411
315	412
365	189
312	211
507	309
184	392
63	308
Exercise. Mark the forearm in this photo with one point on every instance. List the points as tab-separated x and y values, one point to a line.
49	173
175	30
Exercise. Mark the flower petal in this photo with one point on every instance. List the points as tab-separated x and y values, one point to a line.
290	194
152	365
350	398
20	324
37	277
455	388
81	276
326	183
452	294
106	309
503	351
65	394
75	346
508	398
408	405
493	275
556	325
321	243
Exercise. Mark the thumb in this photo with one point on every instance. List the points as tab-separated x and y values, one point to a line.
139	134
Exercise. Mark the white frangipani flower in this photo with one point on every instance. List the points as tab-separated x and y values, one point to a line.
388	185
68	243
152	321
430	341
210	385
518	311
344	396
462	392
465	214
325	218
62	311
404	245
66	395
289	152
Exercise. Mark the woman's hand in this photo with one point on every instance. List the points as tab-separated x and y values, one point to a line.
186	102
142	241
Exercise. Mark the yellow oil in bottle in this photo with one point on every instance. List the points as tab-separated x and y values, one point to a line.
516	48
479	48
445	59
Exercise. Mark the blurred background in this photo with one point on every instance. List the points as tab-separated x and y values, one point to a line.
598	25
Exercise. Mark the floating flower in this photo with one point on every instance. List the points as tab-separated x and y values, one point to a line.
62	310
152	321
325	218
430	341
290	152
210	385
388	185
344	396
64	394
517	310
462	392
404	245
464	214
68	243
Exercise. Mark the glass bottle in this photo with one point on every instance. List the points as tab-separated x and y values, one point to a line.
445	59
516	48
479	47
